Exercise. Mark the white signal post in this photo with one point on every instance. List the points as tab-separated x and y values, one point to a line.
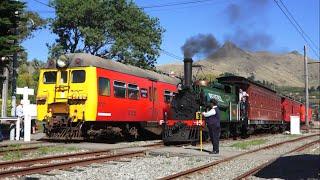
26	111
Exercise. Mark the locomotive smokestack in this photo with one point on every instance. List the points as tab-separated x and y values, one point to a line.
187	72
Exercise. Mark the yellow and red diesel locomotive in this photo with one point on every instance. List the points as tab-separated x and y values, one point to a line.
83	96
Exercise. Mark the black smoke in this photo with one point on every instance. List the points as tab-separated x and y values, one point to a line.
204	44
242	18
250	40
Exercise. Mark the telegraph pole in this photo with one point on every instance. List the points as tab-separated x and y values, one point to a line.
4	90
306	86
14	70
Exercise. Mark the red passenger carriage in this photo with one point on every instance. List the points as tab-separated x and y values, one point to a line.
263	104
290	107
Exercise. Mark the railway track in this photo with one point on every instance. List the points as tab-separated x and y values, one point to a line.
215	163
19	144
24	149
253	171
21	168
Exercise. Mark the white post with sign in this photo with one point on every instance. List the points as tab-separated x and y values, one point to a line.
26	111
294	124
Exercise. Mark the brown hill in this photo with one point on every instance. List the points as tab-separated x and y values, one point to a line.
281	69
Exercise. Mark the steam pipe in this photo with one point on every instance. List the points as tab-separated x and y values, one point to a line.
187	72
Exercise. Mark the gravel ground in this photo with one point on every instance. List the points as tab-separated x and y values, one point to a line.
149	167
234	168
153	167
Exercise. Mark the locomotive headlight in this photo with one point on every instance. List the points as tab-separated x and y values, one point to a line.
63	61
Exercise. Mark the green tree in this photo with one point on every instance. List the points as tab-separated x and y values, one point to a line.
9	18
115	29
16	24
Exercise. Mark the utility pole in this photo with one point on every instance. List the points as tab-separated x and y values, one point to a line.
14	71
4	90
306	86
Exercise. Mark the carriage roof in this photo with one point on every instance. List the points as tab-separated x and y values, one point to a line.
87	60
232	79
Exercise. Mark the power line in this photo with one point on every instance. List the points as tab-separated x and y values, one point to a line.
171	54
298	25
38	1
295	26
174	9
155	7
174	4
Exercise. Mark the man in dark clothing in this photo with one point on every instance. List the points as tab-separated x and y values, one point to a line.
213	123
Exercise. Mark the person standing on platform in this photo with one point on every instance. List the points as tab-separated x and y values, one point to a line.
19	113
213	122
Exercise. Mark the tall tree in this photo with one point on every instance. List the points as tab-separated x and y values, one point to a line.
115	29
16	25
9	18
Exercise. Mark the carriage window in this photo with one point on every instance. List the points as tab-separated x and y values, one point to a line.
104	86
167	96
49	77
119	89
64	77
78	76
144	93
133	91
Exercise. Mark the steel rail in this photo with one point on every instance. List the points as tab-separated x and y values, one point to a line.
21	149
206	166
68	164
258	168
18	144
65	156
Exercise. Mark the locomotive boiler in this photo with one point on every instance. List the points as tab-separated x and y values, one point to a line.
182	125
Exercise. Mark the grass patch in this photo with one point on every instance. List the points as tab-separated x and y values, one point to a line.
12	146
295	135
44	150
246	144
10	156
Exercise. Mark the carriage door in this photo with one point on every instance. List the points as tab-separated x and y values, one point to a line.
62	87
153	98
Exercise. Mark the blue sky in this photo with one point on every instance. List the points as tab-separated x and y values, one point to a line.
211	17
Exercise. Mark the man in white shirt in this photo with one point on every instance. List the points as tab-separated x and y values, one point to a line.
19	110
213	122
243	95
19	113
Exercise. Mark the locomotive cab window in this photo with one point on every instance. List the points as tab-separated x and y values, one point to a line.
78	76
227	89
144	93
104	87
49	77
119	89
133	91
63	77
167	96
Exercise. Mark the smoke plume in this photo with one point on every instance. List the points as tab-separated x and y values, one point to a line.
203	44
252	40
242	17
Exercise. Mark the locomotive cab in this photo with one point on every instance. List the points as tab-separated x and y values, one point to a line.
63	97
